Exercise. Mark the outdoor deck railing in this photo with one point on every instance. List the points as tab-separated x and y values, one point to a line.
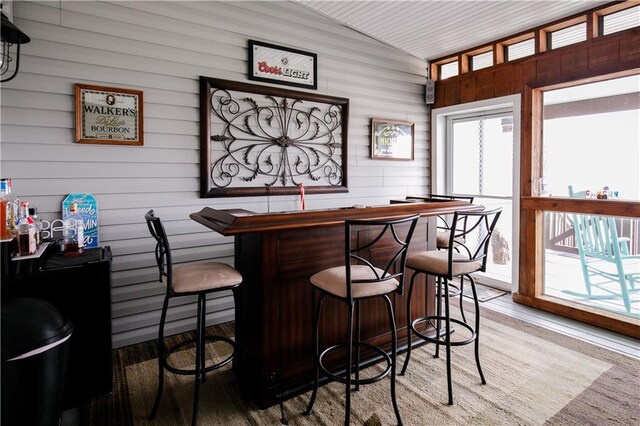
559	234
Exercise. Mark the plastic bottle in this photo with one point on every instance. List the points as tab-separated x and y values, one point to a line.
26	231
73	232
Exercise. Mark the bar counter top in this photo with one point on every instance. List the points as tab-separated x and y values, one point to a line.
239	221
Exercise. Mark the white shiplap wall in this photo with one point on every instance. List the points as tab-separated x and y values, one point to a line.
162	48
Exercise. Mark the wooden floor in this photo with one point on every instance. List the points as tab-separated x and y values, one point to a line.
595	335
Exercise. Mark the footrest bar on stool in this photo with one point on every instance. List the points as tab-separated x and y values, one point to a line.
438	339
355	382
169	351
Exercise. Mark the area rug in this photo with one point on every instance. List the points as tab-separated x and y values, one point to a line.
534	377
484	292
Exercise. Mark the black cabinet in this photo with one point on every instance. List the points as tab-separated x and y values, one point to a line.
79	287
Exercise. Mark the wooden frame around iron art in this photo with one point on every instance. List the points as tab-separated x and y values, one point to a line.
316	144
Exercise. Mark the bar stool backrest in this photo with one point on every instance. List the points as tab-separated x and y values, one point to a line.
444	221
385	257
162	251
475	230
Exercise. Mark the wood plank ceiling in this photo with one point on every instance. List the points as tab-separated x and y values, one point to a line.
432	29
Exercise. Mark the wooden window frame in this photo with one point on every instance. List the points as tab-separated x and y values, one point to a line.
546	32
467	58
532	208
501	55
435	66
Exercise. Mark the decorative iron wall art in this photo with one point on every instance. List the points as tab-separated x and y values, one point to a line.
259	140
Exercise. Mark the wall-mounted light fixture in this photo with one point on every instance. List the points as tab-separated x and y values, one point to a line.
12	38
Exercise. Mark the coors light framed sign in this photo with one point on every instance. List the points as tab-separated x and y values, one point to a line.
108	115
282	65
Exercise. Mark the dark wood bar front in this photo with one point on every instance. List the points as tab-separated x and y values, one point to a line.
276	253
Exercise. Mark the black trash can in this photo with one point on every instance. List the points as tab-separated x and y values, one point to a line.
35	350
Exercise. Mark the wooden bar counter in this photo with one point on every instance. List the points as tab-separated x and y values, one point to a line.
276	253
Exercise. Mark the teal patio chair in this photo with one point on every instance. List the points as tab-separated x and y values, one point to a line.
603	254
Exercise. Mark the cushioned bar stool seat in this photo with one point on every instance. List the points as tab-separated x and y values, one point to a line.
445	265
193	279
359	280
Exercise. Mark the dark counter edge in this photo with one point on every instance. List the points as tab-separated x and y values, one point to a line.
238	221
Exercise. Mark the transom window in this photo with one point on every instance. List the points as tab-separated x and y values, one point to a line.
520	50
622	20
566	36
481	60
447	70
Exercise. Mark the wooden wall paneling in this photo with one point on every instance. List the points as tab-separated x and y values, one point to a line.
467	87
616	53
440	94
452	92
604	52
574	62
485	84
524	72
630	48
504	81
547	68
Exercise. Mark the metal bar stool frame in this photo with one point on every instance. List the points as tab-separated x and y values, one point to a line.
165	266
444	230
476	261
352	254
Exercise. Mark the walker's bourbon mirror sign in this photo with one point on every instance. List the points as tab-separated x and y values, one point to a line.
392	139
282	65
107	115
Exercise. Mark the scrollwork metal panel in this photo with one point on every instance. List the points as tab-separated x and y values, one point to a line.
258	140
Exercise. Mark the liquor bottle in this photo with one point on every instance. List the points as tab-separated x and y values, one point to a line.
73	232
5	209
33	212
26	231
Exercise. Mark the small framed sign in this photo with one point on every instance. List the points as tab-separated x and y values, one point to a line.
88	209
392	139
108	115
282	65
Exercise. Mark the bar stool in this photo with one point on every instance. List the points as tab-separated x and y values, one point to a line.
442	243
188	280
475	228
442	239
358	281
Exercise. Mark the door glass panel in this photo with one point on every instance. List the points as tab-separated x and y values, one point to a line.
593	260
482	156
480	163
